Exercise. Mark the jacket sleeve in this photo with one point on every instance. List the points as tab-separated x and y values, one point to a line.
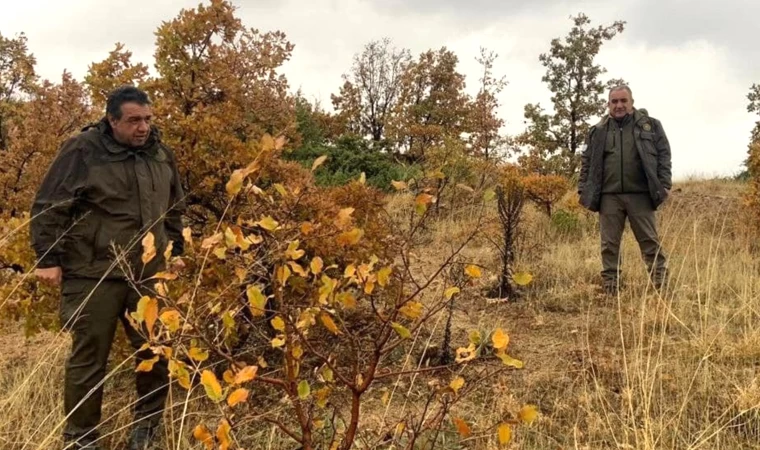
585	158
51	211
663	157
177	207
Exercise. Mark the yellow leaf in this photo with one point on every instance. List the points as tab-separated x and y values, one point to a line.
212	386
321	396
362	178
187	235
307	228
283	274
475	337
228	377
202	434
268	223
327	374
402	331
505	434
281	189
139	313
267	143
246	374
462	428
411	310
151	314
328	322
423	199
220	253
212	241
296	351
399	185
369	287
450	292
316	265
256	300
149	248
473	271
179	371
303	389
344	217
318	162
169	276
241	273
223	435
297	269
278	342
279	143
146	365
347	300
500	339
230	240
305	319
170	318
465	354
528	414
198	354
464	187
509	361
278	324
235	183
522	279
350	237
383	276
456	384
238	396
386	398
350	271
327	288
262	362
168	251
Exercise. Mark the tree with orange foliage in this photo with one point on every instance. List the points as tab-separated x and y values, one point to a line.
546	190
114	71
217	93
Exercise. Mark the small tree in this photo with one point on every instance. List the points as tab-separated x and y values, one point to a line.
510	195
553	140
546	190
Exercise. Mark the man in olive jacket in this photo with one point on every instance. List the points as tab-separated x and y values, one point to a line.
626	173
107	187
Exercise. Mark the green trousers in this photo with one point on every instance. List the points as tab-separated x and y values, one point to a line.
637	208
90	311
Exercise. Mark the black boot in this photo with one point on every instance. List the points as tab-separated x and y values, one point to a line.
141	438
81	444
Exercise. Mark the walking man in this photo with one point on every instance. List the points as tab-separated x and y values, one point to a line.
626	173
107	187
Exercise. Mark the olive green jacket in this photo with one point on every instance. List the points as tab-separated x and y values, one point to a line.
98	200
653	149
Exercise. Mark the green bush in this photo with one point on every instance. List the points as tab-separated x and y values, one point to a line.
566	223
348	158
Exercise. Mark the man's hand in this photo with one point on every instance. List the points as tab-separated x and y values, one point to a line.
49	275
177	265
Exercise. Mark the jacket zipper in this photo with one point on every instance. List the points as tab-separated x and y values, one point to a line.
622	171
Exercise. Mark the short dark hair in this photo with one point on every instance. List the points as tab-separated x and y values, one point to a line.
620	87
124	94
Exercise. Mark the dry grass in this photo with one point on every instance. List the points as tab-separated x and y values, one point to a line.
642	371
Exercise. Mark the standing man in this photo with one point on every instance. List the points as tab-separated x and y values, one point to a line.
106	188
625	173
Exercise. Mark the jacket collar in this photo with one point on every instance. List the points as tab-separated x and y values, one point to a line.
640	116
103	129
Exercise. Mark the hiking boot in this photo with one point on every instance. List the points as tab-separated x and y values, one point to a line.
141	438
81	444
611	288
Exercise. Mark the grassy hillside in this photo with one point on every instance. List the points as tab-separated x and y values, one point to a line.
643	371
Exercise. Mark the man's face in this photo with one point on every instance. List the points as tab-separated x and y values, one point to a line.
620	103
133	128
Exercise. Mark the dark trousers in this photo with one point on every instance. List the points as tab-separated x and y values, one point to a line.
637	208
90	310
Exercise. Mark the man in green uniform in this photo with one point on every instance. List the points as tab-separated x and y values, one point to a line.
626	173
106	189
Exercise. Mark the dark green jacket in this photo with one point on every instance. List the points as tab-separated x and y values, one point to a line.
653	149
99	198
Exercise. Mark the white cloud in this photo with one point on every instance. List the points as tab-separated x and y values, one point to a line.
694	84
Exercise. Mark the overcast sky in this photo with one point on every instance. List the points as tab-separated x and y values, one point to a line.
689	62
